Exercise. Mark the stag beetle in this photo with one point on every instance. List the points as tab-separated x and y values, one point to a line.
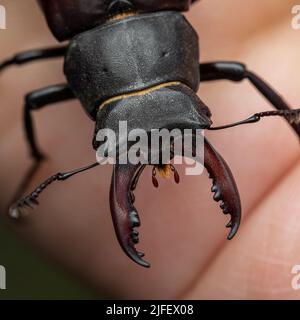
124	58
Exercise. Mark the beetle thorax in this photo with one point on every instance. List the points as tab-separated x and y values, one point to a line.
132	54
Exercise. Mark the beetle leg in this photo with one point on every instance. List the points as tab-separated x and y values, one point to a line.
34	101
235	71
124	214
39	99
33	55
224	186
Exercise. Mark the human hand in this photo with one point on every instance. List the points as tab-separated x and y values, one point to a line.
182	233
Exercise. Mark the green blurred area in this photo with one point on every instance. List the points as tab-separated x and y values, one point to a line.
29	277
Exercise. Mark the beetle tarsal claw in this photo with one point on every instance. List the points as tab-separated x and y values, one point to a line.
124	214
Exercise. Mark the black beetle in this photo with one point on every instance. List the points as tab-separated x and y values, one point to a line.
136	60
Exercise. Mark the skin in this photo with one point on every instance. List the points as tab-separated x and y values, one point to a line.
183	230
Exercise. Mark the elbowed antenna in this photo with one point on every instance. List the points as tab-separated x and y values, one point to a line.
292	116
30	201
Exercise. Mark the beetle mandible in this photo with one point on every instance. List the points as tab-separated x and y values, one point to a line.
136	60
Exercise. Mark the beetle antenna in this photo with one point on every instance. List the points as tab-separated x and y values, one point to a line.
292	116
29	201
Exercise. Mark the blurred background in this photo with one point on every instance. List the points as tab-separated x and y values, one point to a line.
227	29
29	276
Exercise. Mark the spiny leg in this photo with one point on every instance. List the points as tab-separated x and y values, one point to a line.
33	55
20	59
32	199
235	71
37	100
33	101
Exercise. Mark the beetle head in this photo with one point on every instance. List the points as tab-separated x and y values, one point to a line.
67	18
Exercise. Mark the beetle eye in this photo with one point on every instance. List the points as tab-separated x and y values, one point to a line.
119	6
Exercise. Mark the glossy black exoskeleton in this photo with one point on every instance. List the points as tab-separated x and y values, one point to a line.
136	61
